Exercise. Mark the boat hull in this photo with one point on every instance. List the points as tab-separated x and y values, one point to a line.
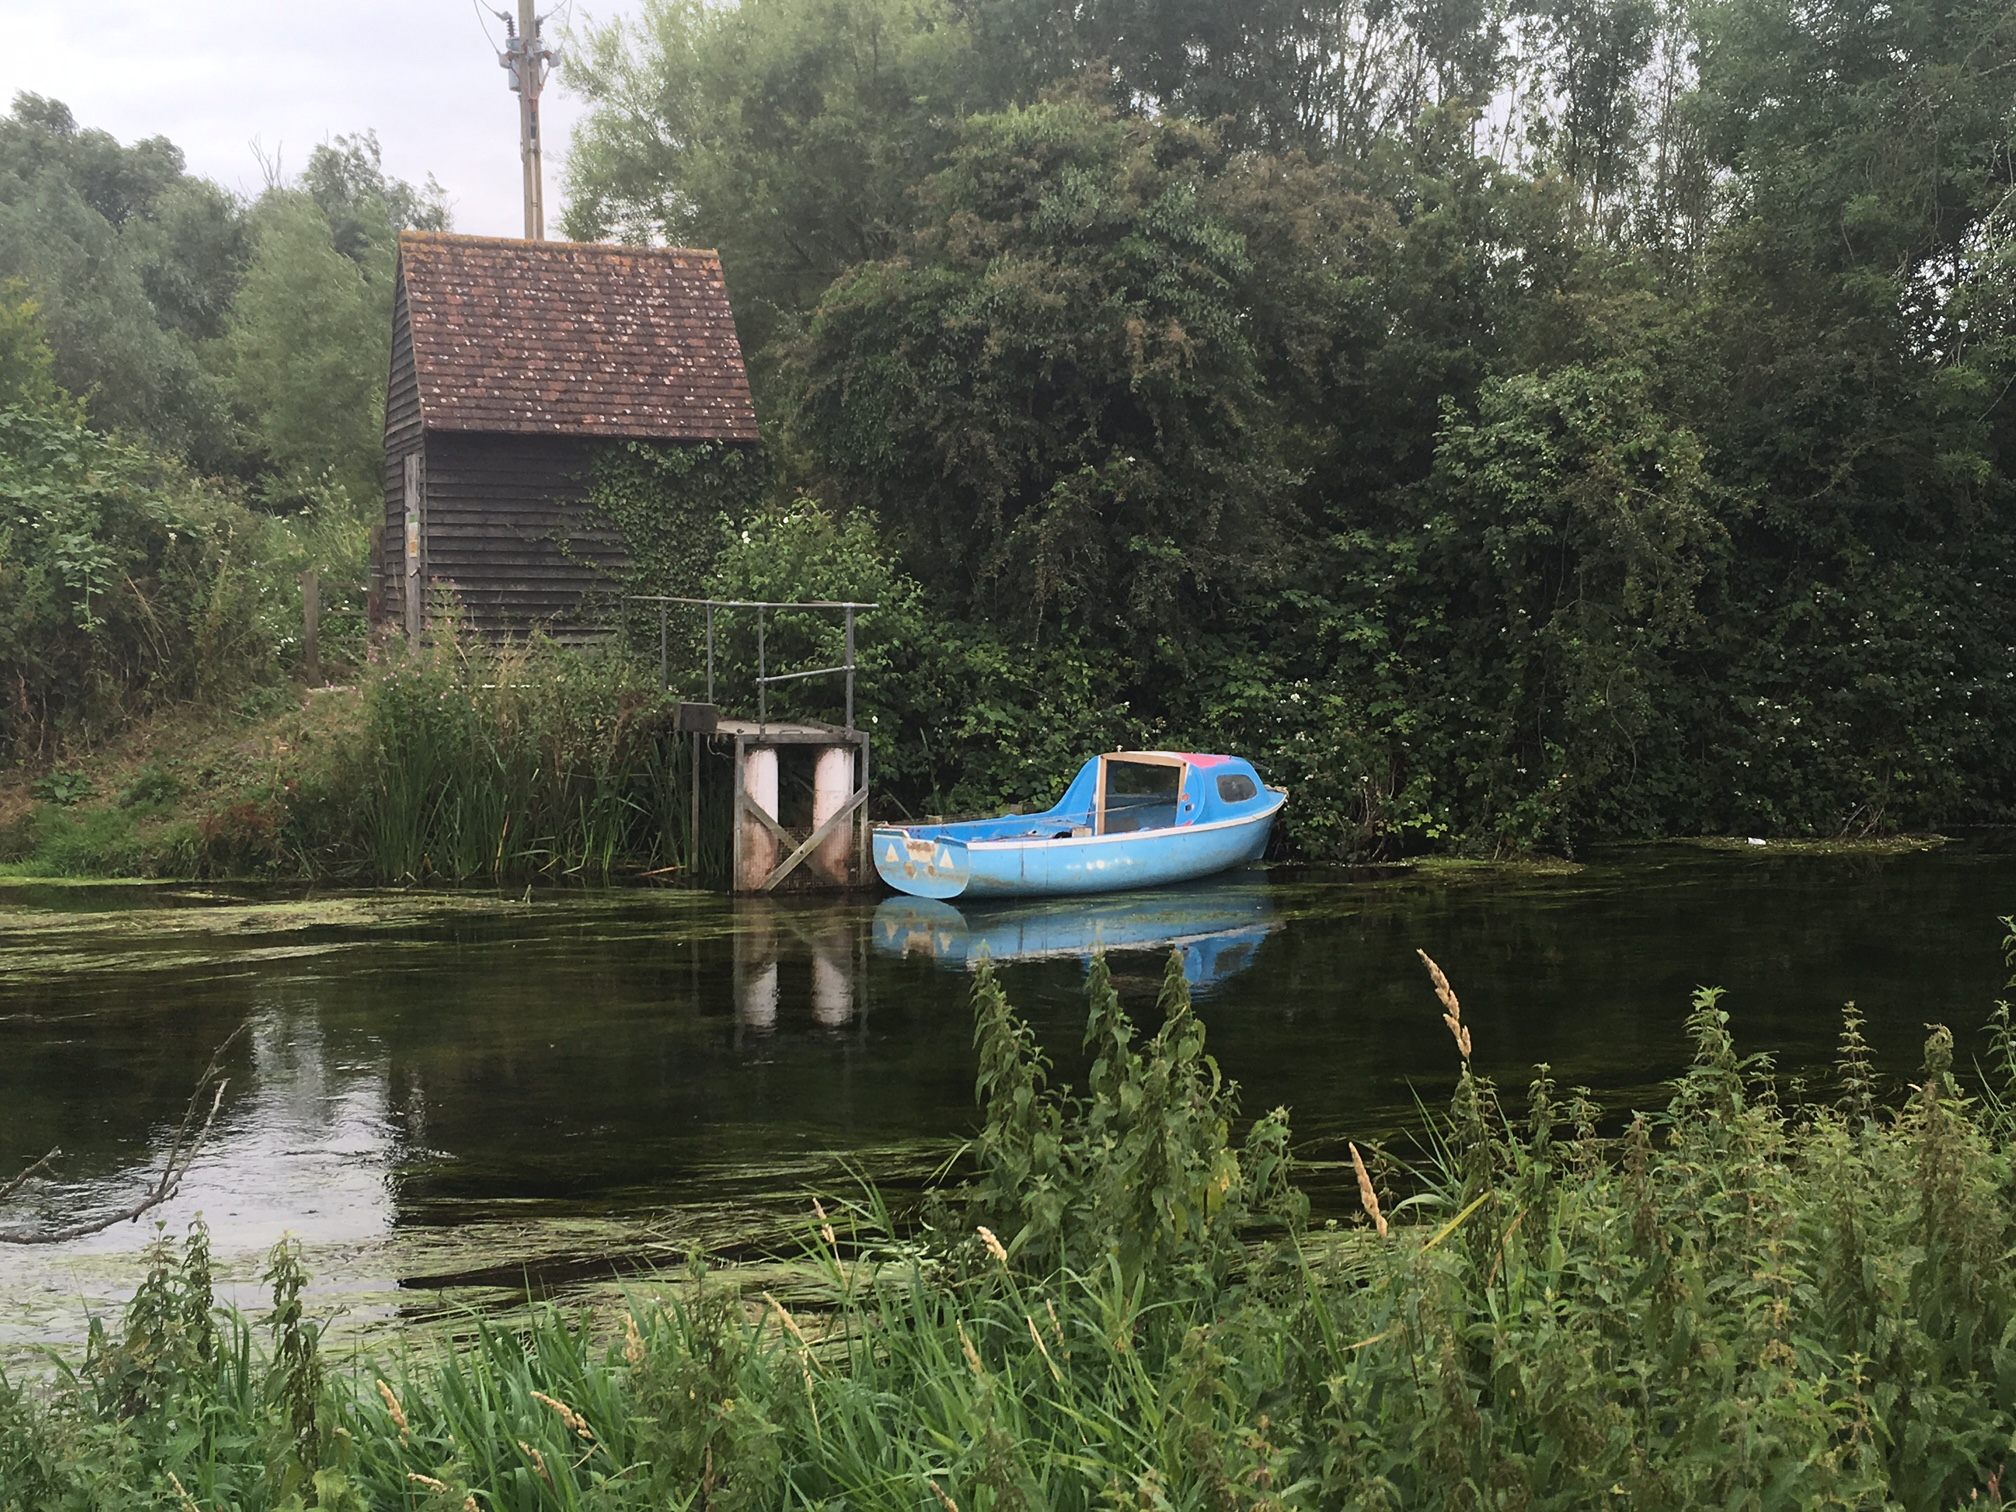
942	866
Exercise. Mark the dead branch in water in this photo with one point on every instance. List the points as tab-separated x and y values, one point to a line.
188	1144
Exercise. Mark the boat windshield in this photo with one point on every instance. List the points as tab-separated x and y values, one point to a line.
1139	795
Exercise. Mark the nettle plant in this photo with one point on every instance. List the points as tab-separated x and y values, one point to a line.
1142	1176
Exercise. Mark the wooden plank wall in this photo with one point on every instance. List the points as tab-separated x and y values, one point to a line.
498	509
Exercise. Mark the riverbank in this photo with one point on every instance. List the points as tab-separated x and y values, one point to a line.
286	787
1746	1298
458	762
188	794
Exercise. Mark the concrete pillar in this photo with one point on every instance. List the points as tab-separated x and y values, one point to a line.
832	786
832	992
759	847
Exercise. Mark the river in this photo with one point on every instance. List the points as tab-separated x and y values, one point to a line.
448	1097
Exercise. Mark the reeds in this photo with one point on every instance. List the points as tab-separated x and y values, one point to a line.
1737	1303
506	762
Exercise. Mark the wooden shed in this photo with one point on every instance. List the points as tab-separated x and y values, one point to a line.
512	361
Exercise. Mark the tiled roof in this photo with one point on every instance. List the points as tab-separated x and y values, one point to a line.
573	338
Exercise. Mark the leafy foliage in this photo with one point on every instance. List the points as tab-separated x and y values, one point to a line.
1049	394
1509	425
124	582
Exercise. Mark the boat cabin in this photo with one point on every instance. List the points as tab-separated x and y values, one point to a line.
1151	790
1128	792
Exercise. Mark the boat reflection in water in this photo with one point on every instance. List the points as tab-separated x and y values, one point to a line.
1217	928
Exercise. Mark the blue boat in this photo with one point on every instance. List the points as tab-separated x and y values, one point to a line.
1129	819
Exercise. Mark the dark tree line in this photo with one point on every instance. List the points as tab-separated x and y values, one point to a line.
1510	421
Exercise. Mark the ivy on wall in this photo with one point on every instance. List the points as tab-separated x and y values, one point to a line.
667	501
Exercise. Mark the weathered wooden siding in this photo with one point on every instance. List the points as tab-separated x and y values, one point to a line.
403	437
510	531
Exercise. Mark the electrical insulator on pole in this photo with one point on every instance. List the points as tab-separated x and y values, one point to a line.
528	61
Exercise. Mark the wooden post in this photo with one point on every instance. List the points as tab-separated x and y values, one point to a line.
413	546
693	821
311	626
759	791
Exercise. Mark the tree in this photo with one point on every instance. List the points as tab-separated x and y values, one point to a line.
309	349
27	366
1051	394
787	133
309	337
1566	539
364	209
131	263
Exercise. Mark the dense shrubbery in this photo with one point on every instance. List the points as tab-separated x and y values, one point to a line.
126	583
1741	1300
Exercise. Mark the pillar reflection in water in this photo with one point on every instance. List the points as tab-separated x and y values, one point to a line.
832	991
791	959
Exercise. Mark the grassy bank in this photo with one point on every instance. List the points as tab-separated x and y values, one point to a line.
455	762
1744	1298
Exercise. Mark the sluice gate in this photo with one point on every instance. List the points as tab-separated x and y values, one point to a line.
776	804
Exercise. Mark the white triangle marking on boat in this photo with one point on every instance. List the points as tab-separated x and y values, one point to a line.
944	856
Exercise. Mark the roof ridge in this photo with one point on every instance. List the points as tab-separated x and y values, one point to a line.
459	238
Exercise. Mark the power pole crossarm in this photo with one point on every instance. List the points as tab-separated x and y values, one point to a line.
528	61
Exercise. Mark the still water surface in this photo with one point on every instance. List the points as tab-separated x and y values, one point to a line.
446	1096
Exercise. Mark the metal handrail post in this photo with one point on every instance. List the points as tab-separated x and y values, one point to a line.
664	663
849	658
710	653
762	674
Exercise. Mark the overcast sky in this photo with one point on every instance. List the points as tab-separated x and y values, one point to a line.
217	76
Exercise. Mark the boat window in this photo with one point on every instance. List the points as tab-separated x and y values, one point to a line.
1236	788
1140	796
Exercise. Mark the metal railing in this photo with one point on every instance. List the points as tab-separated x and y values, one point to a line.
764	676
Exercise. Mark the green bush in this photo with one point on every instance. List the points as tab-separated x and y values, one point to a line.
962	720
126	584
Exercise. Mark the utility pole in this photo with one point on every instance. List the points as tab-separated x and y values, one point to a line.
528	61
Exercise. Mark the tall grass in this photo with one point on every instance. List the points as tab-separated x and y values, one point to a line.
502	762
1737	1302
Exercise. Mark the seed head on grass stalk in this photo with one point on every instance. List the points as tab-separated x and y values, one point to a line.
569	1418
538	1461
392	1406
1472	1134
1452	1010
790	1323
1367	1197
